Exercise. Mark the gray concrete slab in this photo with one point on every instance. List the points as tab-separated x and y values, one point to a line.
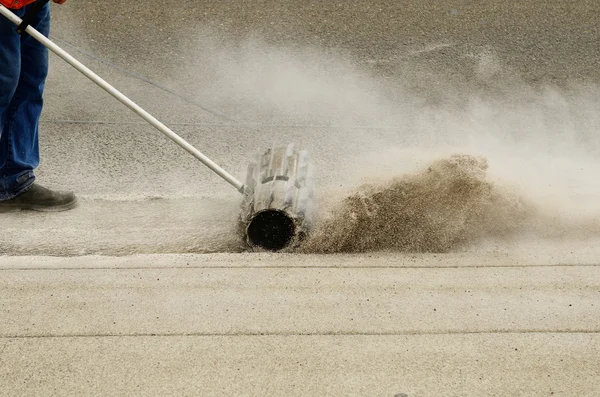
126	228
280	299
129	161
532	38
513	258
421	365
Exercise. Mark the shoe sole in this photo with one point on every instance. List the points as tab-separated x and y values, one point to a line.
37	208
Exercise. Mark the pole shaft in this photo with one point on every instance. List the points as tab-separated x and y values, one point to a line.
125	100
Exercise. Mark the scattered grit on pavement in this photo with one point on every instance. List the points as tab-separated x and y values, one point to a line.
377	92
455	254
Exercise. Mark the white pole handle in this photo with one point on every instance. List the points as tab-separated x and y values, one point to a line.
126	101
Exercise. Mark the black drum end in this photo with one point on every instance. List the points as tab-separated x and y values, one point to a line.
272	230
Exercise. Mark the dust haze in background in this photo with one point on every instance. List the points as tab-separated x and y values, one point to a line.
419	160
449	206
426	163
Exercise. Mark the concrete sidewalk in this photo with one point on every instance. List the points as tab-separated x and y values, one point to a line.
544	364
372	89
290	325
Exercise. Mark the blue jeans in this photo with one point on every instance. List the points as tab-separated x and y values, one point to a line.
23	71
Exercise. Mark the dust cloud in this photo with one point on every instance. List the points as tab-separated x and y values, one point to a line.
409	157
449	206
422	161
442	208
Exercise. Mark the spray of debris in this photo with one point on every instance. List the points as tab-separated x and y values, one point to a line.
446	206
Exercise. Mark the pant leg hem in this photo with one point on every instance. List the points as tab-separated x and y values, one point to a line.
22	190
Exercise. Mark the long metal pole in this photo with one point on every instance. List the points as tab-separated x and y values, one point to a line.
126	101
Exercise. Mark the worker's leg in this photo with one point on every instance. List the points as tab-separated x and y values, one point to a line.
10	59
21	108
26	107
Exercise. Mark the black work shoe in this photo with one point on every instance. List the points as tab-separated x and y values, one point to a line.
38	198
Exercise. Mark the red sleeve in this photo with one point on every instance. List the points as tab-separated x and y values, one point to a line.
15	4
